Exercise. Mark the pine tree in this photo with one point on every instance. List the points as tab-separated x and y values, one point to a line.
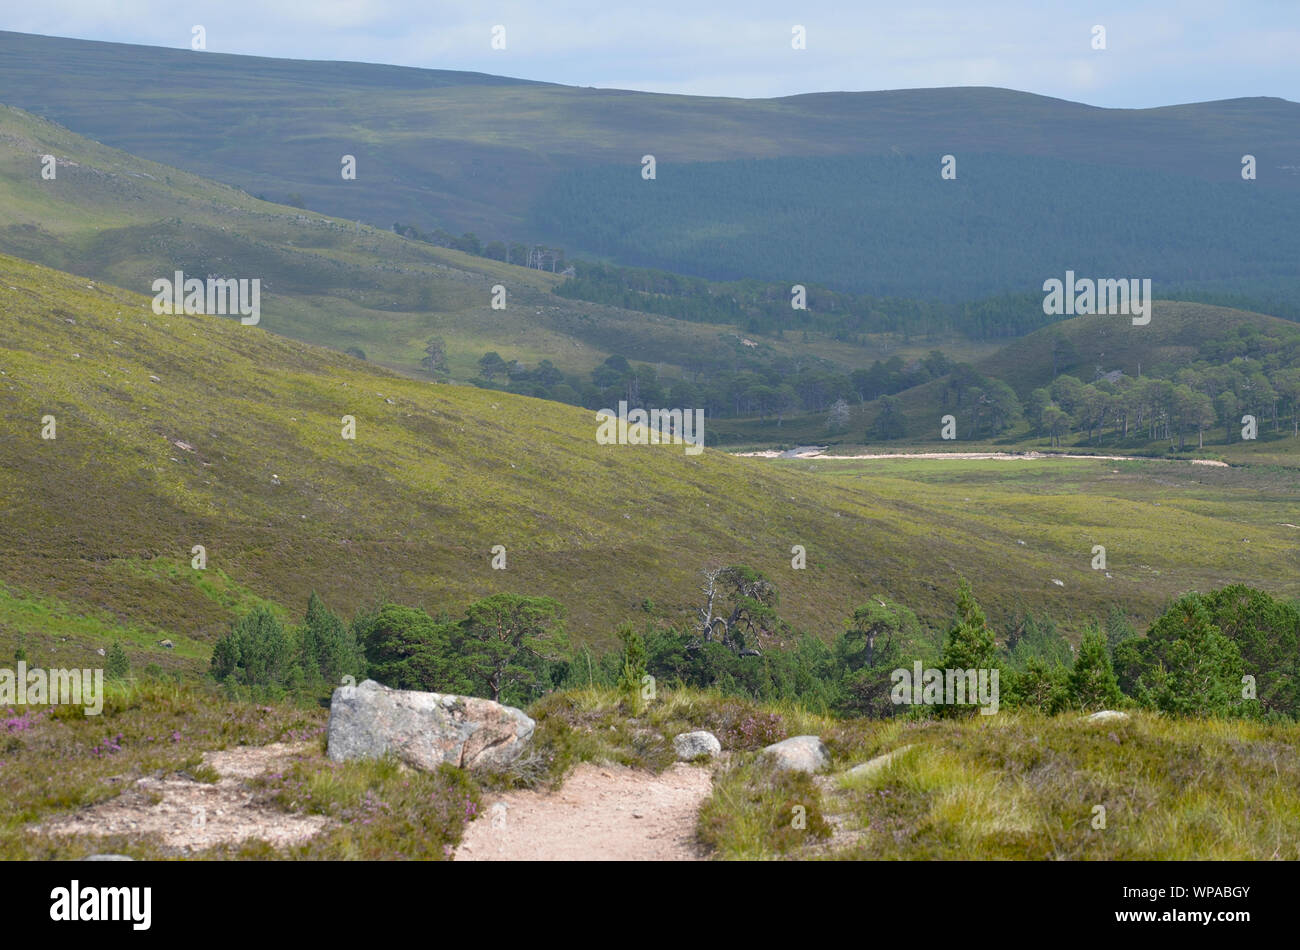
971	645
633	666
328	650
1093	684
116	665
1040	687
970	641
256	652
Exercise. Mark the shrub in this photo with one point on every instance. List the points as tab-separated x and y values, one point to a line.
116	665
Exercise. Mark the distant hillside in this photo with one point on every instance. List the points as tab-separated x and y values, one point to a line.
128	220
1178	335
468	152
1171	372
889	226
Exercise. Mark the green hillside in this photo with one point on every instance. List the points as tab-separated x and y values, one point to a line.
236	445
127	220
411	509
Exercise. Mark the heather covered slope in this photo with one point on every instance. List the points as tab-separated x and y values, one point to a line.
140	471
237	446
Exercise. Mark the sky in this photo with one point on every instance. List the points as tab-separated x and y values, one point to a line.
1156	52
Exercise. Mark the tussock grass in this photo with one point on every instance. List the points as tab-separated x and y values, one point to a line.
379	809
1021	786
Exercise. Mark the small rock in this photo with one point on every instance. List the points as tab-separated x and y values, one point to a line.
1107	715
798	754
166	644
107	857
154	379
877	764
691	745
100	651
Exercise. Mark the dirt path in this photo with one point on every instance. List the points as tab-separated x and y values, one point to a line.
192	815
817	455
601	813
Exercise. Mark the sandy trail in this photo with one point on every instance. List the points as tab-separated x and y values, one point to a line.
191	815
993	456
601	813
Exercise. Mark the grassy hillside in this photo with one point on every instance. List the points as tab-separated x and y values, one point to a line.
237	446
469	152
128	220
411	509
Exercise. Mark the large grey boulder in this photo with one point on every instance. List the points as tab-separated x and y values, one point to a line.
798	754
425	729
692	745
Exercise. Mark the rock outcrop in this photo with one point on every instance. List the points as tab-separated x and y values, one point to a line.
425	730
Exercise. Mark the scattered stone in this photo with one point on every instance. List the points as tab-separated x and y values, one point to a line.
101	652
877	764
166	644
692	745
425	730
1107	715
798	754
154	379
107	857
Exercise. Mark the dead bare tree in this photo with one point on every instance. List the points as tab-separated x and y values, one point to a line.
752	599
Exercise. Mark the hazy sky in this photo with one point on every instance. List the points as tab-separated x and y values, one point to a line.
1157	52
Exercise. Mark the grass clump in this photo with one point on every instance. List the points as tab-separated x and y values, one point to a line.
379	809
757	812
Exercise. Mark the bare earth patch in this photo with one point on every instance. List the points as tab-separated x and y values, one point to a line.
192	815
601	813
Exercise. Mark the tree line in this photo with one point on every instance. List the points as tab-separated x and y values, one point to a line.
1233	652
